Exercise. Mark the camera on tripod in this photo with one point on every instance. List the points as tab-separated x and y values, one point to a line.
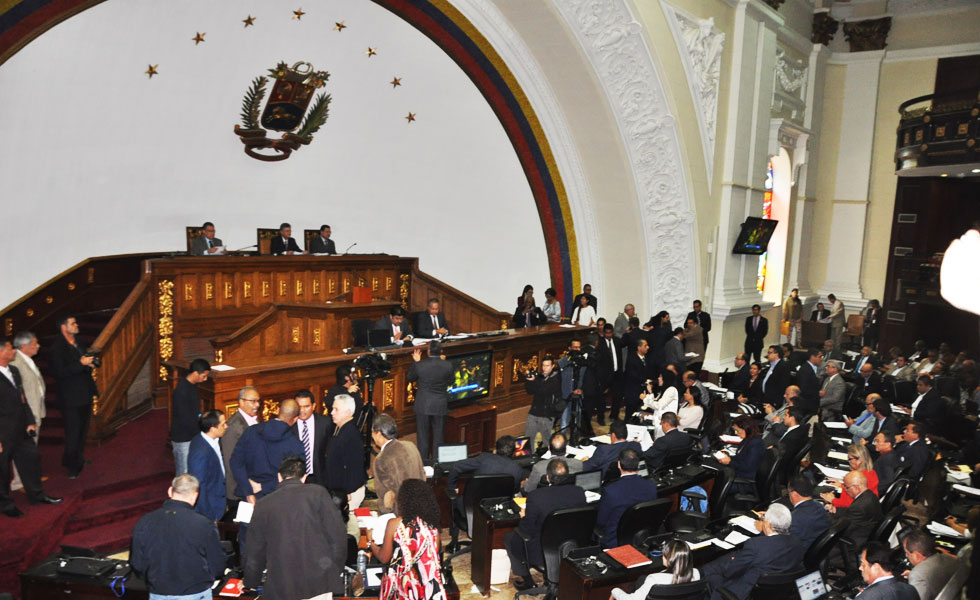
373	366
579	359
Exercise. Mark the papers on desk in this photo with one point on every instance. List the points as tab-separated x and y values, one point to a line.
943	529
832	473
244	514
458	336
222	368
380	523
745	522
901	409
420	341
429	471
712	387
957	473
841	440
842	456
696	545
592	497
965	489
567	325
835	424
574	452
720	454
736	537
722	544
730	439
639	434
602	439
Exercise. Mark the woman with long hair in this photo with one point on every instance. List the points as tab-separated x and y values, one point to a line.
749	454
858	459
411	546
679	564
691	411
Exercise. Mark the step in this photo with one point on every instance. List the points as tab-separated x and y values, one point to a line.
116	507
159	478
104	539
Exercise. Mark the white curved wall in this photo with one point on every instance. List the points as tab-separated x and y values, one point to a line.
96	159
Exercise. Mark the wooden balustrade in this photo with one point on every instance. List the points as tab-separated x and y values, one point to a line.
463	312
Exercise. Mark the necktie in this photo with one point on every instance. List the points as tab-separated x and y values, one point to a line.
612	350
755	323
435	324
208	241
307	448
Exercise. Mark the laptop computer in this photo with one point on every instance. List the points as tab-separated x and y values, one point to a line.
447	454
589	481
811	587
522	447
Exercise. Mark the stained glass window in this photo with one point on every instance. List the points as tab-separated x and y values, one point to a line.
760	280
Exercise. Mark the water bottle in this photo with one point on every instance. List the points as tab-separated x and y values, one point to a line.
362	560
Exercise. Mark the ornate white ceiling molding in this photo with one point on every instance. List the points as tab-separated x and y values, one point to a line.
614	43
700	46
487	18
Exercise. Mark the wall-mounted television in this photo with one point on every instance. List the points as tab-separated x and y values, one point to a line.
754	236
471	377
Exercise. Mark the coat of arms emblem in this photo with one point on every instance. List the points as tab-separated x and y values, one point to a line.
285	111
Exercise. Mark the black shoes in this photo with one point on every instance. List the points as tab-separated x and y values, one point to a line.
523	584
45	499
13	512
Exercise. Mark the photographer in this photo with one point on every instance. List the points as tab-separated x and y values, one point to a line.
577	375
346	384
548	402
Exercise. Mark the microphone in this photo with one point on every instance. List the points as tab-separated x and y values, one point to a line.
349	247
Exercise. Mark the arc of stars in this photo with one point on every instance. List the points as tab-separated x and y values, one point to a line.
397	81
151	71
411	117
198	38
298	14
249	21
339	26
371	52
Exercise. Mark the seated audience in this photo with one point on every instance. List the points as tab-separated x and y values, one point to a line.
396	325
746	461
859	461
888	462
775	428
410	547
552	307
884	422
868	381
861	426
540	503
863	514
673	440
792	442
810	519
902	370
558	447
667	400
928	406
606	455
584	314
752	394
621	494
740	383
691	412
488	463
877	570
914	452
930	569
206	243
691	380
775	551
679	565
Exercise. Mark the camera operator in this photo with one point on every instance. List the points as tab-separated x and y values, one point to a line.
346	384
548	402
577	373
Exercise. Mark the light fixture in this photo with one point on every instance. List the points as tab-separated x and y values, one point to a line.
958	280
945	175
975	171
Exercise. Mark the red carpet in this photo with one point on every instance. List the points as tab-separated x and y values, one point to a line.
128	478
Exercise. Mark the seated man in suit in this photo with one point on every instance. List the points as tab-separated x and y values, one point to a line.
322	244
902	370
878	571
776	551
810	519
673	441
396	325
792	442
206	243
540	503
928	407
868	381
930	569
864	514
606	455
284	242
888	461
740	383
488	463
621	494
832	393
915	451
204	461
431	323
558	448
819	313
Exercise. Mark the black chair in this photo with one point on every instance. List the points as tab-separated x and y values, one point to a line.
676	458
695	590
947	386
764	483
883	531
894	495
819	551
642	520
361	327
694	520
477	488
792	466
772	586
563	530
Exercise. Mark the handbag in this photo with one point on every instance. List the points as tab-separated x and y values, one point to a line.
784	328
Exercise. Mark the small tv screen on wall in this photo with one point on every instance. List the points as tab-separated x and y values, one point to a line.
754	236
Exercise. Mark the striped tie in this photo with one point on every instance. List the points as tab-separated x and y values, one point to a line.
306	446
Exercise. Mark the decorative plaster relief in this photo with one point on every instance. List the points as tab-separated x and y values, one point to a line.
700	46
614	44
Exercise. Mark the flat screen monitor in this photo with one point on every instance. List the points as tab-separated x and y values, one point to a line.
450	453
589	480
811	587
754	236
521	447
471	376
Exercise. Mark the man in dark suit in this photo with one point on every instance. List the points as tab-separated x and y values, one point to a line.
869	381
587	292
928	407
888	461
204	462
672	442
206	243
322	244
249	405
16	425
810	519
877	569
864	513
313	430
261	449
540	503
621	494
606	455
343	467
185	410
776	379
299	537
775	551
793	441
610	371
396	461
809	382
284	242
866	356
75	388
756	328
740	383
657	336
884	421
488	463
702	319
431	323
914	451
819	313
434	376
635	375
674	350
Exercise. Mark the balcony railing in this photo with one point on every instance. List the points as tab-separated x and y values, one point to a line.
939	130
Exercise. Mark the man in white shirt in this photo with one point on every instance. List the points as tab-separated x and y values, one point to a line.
876	570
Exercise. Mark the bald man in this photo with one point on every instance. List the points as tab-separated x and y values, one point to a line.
863	514
261	449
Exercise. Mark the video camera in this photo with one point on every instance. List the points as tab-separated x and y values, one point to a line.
373	365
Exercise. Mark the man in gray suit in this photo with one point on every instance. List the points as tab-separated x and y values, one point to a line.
557	446
27	346
206	243
434	376
249	405
674	351
930	569
322	244
832	392
877	568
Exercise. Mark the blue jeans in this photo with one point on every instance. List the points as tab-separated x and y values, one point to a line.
181	450
205	595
